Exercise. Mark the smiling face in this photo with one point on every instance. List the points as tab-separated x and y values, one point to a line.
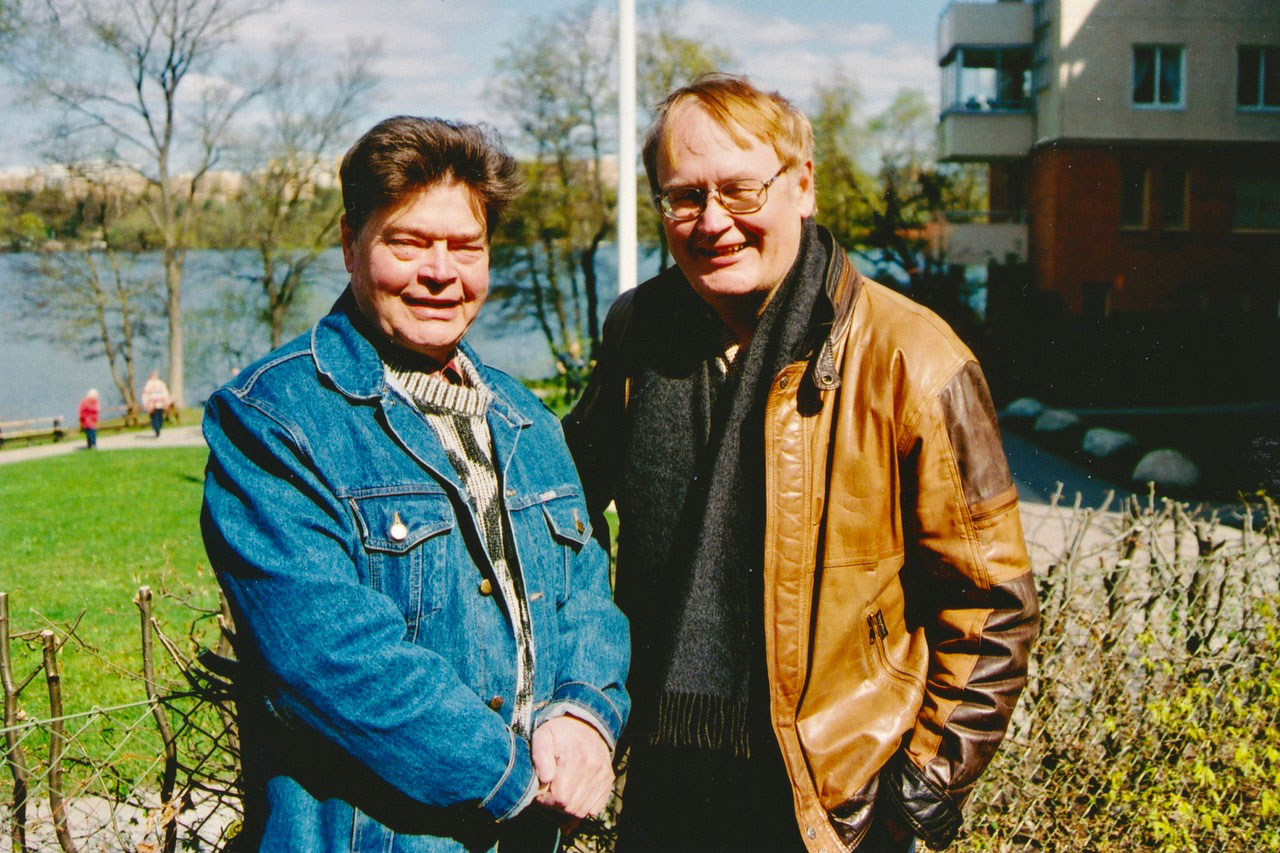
733	260
420	269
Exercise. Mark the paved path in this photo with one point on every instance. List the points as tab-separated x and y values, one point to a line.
172	436
1035	471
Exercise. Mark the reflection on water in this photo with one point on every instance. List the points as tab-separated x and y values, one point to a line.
40	377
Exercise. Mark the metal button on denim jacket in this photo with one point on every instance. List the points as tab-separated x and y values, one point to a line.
347	548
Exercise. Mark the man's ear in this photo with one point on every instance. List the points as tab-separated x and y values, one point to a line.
348	245
804	183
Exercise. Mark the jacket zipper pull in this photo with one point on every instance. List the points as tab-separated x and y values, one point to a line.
881	629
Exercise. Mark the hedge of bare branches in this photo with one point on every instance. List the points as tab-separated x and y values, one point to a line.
155	773
1151	719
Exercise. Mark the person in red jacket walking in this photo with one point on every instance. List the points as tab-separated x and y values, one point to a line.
89	418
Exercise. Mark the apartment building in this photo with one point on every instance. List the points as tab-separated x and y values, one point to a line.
1133	146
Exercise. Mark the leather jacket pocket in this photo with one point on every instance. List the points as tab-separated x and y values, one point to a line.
877	638
403	537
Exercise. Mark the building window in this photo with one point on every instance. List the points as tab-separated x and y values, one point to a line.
1157	75
1173	198
1257	205
1258	78
978	79
1133	196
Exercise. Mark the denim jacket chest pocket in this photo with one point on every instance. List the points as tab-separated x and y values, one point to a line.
558	518
405	541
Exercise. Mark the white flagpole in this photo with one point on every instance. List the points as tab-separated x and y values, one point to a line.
627	258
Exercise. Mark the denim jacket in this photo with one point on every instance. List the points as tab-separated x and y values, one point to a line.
379	656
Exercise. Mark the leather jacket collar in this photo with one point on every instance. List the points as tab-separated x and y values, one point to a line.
834	311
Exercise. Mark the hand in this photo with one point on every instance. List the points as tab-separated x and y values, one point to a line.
574	767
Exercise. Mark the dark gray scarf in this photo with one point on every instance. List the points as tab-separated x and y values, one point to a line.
691	550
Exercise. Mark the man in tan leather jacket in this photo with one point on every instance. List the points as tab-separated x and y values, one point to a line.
819	545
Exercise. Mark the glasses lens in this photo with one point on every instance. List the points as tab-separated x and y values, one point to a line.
682	203
742	196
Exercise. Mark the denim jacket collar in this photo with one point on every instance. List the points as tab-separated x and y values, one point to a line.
345	354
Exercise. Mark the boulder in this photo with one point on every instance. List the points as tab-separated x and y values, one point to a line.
1023	409
1055	422
1058	431
1168	469
1103	444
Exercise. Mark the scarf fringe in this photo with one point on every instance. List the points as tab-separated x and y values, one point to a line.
703	722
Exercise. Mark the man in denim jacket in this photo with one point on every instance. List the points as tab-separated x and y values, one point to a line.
424	620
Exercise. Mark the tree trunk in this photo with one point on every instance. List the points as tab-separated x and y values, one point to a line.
173	311
588	261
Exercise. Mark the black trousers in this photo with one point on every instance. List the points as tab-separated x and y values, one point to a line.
696	800
679	799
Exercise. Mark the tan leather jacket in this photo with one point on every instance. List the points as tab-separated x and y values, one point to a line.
899	606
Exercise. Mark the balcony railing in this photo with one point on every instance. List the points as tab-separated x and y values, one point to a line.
986	134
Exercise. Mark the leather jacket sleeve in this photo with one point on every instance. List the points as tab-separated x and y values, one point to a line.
968	567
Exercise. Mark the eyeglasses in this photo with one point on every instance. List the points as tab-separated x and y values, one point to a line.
683	204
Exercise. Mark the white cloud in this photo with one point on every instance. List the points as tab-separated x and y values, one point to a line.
737	29
795	58
858	34
882	74
437	54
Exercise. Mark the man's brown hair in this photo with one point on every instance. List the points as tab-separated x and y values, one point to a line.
406	154
746	112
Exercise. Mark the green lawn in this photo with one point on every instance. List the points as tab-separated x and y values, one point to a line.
83	532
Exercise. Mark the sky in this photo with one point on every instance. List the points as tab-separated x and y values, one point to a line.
437	54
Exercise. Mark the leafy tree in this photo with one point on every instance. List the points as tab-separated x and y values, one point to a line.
843	183
10	23
288	209
557	85
888	210
667	59
145	91
20	229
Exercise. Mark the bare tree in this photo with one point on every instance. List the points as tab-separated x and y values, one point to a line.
289	205
556	84
99	301
146	88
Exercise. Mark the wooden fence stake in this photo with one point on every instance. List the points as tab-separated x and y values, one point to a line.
13	752
57	741
168	810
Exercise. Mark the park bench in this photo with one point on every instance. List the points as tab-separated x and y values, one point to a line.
31	428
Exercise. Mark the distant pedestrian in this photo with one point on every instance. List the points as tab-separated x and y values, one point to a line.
156	400
89	418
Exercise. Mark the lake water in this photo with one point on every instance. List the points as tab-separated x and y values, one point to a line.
40	377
